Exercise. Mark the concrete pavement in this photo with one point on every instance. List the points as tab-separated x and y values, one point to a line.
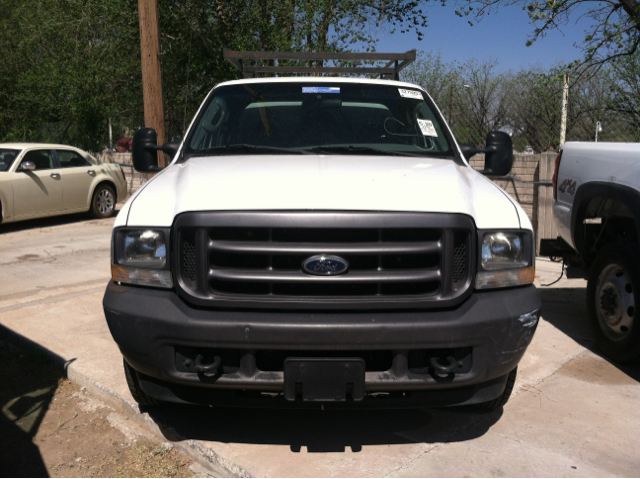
572	414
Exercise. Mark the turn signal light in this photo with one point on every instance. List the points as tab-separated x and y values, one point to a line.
160	278
503	279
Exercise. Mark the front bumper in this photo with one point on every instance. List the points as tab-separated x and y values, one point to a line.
154	328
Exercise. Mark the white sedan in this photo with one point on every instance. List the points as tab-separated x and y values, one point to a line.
38	180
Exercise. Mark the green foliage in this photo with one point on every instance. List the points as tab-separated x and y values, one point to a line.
67	66
70	65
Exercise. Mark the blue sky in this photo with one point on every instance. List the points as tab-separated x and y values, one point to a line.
501	36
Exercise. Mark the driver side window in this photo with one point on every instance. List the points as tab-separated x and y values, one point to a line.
71	159
43	159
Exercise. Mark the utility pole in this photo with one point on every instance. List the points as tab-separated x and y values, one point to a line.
151	71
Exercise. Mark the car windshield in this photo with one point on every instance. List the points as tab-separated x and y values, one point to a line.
326	118
7	157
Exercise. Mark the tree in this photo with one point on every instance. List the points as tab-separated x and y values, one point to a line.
67	68
625	93
473	96
70	65
535	109
615	31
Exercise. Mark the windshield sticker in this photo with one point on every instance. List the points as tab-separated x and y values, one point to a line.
427	128
320	89
410	94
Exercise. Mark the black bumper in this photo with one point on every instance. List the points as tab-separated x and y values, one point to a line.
156	330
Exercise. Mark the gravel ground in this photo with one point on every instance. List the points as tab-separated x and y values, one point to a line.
49	426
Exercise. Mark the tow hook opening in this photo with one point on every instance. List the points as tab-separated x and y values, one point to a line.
444	365
208	369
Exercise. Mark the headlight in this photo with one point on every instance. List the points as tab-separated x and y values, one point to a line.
147	246
506	259
502	251
140	257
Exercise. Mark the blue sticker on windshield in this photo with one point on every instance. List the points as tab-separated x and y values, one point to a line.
320	89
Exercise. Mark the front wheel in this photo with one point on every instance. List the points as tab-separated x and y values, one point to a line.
501	400
103	203
612	290
142	398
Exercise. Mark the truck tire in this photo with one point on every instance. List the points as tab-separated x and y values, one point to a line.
103	203
503	398
613	289
134	387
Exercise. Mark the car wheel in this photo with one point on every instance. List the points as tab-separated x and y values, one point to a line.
612	290
138	394
501	400
103	203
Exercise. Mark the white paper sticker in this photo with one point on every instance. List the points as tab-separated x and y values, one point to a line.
427	128
410	94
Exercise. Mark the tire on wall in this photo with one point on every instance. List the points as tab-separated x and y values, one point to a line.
613	299
103	203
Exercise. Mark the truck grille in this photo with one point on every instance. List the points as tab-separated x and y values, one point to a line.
255	259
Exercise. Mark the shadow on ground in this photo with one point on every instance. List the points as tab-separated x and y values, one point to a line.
322	431
48	222
566	309
29	378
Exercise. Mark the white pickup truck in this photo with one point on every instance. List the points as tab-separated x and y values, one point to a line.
596	187
321	242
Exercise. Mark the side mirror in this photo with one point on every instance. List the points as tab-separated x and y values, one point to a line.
144	150
27	166
498	158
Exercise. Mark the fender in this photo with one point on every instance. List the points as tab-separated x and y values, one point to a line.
627	196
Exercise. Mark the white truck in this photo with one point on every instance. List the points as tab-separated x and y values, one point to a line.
321	241
596	187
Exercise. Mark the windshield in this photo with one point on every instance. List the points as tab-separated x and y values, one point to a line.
7	157
327	118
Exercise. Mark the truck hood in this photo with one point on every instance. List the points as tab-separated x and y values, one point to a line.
320	182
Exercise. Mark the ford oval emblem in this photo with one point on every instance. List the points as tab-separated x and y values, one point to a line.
323	265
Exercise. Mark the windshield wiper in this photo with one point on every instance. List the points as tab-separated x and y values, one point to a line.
243	147
349	149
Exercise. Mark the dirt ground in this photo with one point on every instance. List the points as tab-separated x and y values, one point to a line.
50	427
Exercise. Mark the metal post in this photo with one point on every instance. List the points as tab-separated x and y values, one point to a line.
565	105
598	129
110	136
151	72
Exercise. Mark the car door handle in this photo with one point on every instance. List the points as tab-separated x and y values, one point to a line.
91	172
55	175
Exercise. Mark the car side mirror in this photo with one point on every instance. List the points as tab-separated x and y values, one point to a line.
498	158
27	166
144	150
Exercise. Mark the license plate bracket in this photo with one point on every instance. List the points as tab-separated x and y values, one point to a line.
324	379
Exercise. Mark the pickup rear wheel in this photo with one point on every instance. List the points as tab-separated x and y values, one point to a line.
138	394
503	398
613	298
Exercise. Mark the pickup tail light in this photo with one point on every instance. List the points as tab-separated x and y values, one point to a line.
555	176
